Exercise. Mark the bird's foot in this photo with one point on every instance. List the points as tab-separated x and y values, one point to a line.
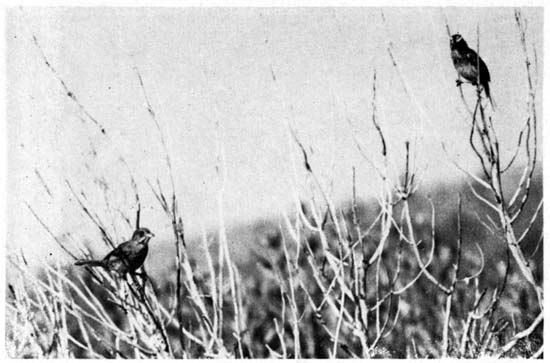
143	276
459	82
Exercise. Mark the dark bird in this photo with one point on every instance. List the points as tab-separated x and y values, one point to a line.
127	257
466	62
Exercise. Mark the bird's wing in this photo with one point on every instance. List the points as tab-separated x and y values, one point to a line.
122	251
483	70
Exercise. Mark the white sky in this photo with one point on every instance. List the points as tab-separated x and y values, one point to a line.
202	66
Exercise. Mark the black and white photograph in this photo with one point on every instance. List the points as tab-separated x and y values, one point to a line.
274	181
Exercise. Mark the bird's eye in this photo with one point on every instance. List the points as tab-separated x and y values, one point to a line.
456	38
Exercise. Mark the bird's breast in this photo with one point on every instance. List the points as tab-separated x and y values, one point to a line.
457	57
464	67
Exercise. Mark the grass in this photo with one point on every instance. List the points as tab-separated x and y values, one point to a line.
454	271
68	312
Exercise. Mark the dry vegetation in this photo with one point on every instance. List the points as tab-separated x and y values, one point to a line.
404	275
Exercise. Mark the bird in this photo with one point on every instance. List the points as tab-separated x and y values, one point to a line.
466	62
127	257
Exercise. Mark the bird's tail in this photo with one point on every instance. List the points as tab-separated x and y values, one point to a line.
488	94
89	263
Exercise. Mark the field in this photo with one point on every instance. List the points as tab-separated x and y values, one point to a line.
417	271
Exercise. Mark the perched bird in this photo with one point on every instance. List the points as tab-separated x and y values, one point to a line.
127	257
466	62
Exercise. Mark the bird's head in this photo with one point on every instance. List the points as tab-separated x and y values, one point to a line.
142	235
457	42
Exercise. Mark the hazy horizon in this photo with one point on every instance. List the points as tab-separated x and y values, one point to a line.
203	67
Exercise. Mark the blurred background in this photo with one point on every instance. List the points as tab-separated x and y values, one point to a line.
229	90
240	76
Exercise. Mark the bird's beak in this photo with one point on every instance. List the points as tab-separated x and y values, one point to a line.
150	235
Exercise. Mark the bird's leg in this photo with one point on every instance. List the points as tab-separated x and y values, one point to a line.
131	280
143	275
459	82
